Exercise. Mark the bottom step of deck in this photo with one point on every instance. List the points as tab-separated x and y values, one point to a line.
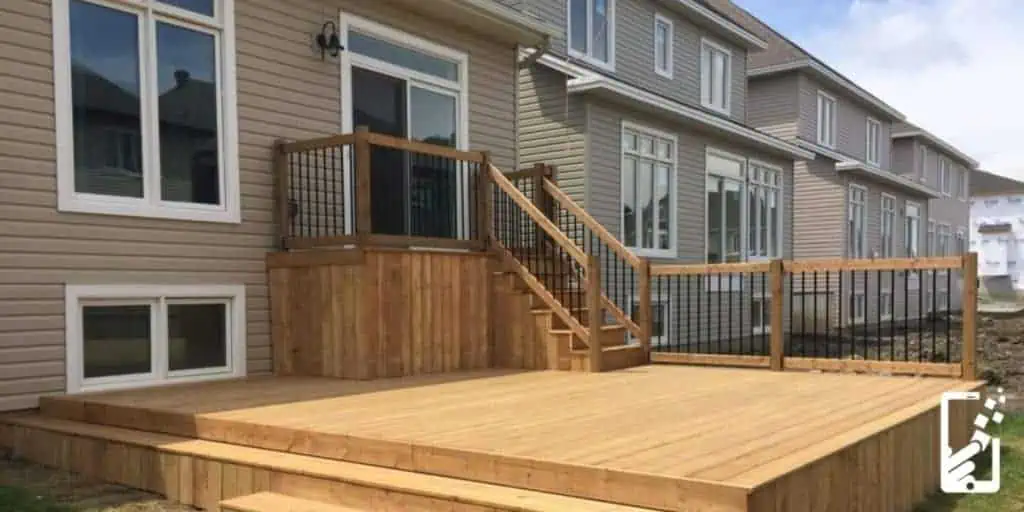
218	476
273	502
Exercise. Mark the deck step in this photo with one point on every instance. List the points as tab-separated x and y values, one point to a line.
613	358
203	473
273	502
611	336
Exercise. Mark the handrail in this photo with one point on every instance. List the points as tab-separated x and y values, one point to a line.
545	223
710	268
318	143
380	139
939	263
566	202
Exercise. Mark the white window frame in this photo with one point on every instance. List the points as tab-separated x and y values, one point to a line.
912	244
852	247
857	297
873	149
742	178
962	185
960	241
706	78
827	137
753	186
945	178
887	240
943	239
671	252
588	55
222	28
885	305
669	43
766	313
157	296
459	89
923	169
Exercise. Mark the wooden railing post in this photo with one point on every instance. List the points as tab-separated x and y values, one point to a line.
364	225
969	319
539	195
646	320
595	317
284	216
485	199
777	355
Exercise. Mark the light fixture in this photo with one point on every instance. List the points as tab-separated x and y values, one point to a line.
329	41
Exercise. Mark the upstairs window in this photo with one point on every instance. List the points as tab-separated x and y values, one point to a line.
826	120
961	188
856	219
591	31
888	241
663	46
648	191
874	144
715	77
945	180
922	163
930	241
145	109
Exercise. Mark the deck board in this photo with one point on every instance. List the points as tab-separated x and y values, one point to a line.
715	424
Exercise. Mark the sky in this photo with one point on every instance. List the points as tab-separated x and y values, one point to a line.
953	67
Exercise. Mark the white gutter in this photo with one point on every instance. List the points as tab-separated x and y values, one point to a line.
733	29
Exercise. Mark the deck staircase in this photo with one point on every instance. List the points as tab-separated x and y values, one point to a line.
549	250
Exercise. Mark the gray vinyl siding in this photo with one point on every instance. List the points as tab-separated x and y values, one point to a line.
851	133
773	105
634	50
904	158
819	210
284	90
551	127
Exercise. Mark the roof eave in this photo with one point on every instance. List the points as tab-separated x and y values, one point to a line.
520	27
893	179
831	77
947	147
728	27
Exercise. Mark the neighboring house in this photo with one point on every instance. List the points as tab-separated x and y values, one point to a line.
852	201
136	191
644	103
997	233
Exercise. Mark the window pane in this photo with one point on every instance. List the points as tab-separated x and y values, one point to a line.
752	214
644	192
705	75
661	46
646	145
714	243
724	167
105	101
762	219
664	150
204	7
629	202
600	30
578	25
661	194
401	56
116	340
774	220
197	336
189	149
432	117
733	219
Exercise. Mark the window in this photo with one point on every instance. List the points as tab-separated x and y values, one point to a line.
715	77
943	240
912	231
145	108
885	306
592	31
764	212
856	219
663	42
961	242
858	307
874	138
930	242
888	223
125	336
826	120
944	177
648	190
760	314
659	320
724	191
922	170
961	188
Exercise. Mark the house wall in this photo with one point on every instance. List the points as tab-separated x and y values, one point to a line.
851	134
950	209
774	105
634	50
284	90
904	160
1000	255
819	209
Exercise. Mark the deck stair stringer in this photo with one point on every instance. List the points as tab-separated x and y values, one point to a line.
206	474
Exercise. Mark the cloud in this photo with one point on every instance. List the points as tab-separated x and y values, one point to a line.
954	67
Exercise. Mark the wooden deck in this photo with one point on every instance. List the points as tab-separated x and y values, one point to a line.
662	437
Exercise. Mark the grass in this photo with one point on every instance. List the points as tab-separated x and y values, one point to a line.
17	499
1010	497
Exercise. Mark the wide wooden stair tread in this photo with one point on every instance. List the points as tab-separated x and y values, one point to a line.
274	502
390	483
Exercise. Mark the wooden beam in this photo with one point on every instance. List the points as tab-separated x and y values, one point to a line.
363	170
595	316
284	217
859	365
710	359
318	143
315	258
646	320
388	141
602	233
949	262
385	241
538	170
969	320
540	291
485	200
778	343
712	268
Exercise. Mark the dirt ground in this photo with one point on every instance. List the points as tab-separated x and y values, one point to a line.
1002	354
77	494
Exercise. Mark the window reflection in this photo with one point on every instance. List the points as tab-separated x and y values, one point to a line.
204	7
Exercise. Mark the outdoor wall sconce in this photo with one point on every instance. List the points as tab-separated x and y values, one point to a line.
329	41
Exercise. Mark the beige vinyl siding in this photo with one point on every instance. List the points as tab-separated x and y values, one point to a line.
774	105
634	50
284	90
551	127
819	210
